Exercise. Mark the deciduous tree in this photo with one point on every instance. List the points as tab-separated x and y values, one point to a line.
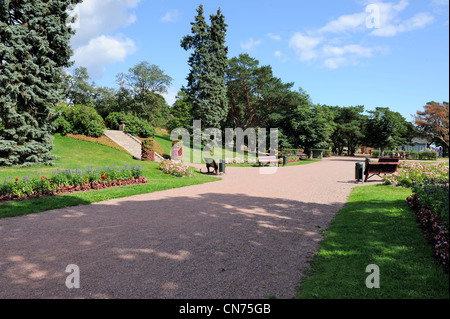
432	123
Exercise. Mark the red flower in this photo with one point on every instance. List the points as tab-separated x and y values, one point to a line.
17	179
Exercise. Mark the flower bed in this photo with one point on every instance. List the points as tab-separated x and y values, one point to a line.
62	181
430	201
434	229
409	174
177	169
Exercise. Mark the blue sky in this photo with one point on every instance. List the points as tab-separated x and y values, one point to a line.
351	52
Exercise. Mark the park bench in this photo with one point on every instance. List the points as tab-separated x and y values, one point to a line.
380	168
210	162
389	160
267	160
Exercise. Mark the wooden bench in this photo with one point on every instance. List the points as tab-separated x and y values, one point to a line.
267	160
379	168
389	160
210	162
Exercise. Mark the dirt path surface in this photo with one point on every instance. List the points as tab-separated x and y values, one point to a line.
246	236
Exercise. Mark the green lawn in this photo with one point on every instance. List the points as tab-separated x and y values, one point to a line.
80	154
375	227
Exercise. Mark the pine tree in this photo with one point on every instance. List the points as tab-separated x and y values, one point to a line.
206	80
34	49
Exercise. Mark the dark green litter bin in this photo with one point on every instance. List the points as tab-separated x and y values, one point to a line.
221	166
317	154
359	171
285	160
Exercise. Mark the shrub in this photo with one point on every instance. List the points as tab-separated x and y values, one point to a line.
177	169
435	233
79	119
434	195
327	153
63	126
133	124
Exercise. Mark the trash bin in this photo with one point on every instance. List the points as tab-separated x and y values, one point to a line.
222	166
285	160
317	154
359	171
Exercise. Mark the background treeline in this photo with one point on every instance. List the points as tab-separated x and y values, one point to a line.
255	99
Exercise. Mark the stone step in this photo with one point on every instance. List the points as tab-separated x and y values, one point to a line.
129	143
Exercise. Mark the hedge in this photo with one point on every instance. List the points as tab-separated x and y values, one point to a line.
429	155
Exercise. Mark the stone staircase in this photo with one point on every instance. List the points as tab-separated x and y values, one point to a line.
131	144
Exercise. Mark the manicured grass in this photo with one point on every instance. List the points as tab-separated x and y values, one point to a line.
375	227
80	154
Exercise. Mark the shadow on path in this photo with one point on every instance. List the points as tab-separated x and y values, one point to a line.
206	246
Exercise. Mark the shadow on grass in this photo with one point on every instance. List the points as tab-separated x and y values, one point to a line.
383	232
31	206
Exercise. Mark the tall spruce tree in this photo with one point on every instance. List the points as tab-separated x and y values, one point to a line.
206	80
34	49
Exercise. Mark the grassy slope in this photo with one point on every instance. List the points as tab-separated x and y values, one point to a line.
80	154
375	227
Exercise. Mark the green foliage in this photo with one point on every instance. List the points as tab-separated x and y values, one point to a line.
181	113
387	129
349	131
34	49
422	155
208	63
141	90
133	124
434	195
410	155
79	119
78	88
63	126
255	95
312	126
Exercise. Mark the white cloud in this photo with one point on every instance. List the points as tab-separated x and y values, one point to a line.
304	46
328	46
334	63
102	51
275	37
250	44
102	17
96	43
345	23
392	24
171	16
339	56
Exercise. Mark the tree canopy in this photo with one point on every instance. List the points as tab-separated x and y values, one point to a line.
208	63
34	50
432	123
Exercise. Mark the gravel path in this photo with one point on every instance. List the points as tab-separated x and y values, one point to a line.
246	236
